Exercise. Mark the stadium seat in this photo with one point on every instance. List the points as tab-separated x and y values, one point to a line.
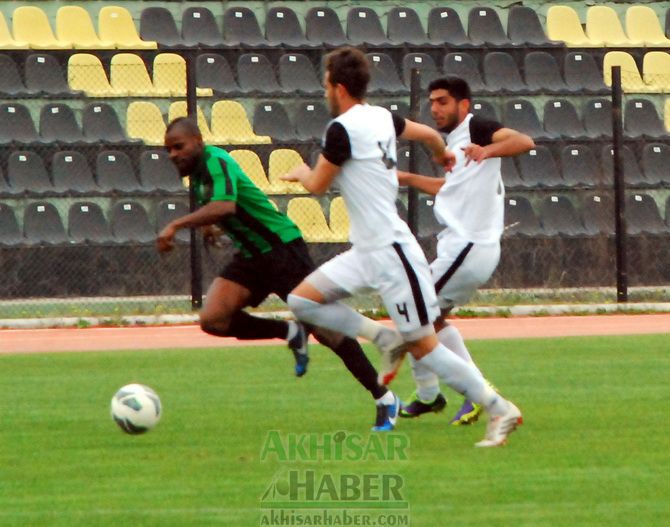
666	115
230	125
365	28
582	73
7	41
115	24
128	74
282	28
655	164
253	168
297	74
44	74
524	28
307	214
464	65
240	27
642	215
323	27
383	75
543	73
520	114
485	28
631	81
43	225
256	74
603	25
58	123
428	226
510	174
144	121
180	109
130	223
11	82
5	189
74	24
424	63
114	172
642	120
501	73
399	107
10	234
404	27
561	120
16	124
579	166
597	213
72	175
85	73
170	210
656	71
559	217
520	218
667	213
86	223
157	24
311	119
100	123
338	220
170	76
26	173
282	161
538	168
631	169
271	119
485	109
445	28
30	24
213	71
642	25
158	173
597	118
563	24
199	27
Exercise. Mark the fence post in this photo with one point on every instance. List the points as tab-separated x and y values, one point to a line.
619	189
194	248
412	193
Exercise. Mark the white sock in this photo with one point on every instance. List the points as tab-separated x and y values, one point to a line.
427	383
452	339
387	398
335	316
464	378
292	329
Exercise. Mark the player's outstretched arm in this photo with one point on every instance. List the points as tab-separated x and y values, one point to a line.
433	141
506	142
206	215
316	180
429	185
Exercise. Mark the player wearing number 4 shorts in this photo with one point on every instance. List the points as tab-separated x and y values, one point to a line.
469	203
359	156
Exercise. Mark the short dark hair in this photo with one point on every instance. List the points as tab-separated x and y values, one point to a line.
458	88
349	67
187	124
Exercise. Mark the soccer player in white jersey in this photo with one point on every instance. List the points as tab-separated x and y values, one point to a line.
359	155
469	203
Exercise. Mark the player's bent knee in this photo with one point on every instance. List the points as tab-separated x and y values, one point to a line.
216	326
303	308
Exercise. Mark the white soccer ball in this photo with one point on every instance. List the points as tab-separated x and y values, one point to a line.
136	408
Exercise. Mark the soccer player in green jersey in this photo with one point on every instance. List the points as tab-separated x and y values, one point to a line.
271	257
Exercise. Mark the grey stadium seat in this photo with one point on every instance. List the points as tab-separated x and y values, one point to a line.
323	27
538	168
87	223
100	123
58	123
240	27
311	119
45	74
404	27
464	65
115	173
597	118
424	63
16	124
524	28
561	120
520	218
213	71
43	225
383	75
270	118
158	173
256	74
445	27
543	73
10	234
641	119
485	28
130	223
501	73
10	80
582	73
579	166
297	74
199	27
655	164
158	25
72	175
559	217
642	215
170	210
26	173
520	114
364	27
597	213
282	28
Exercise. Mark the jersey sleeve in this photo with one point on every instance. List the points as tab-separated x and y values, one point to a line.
224	178
482	130
337	147
398	124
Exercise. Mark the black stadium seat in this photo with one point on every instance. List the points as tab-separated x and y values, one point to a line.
170	210
404	27
561	120
524	28
240	26
58	123
510	174
520	114
485	109
655	164
597	213
270	118
100	123
632	174
10	80
364	27
157	24
579	166
485	28
44	74
424	63
256	74
445	28
296	73
86	223
597	118
26	173
43	224
213	71
323	27
130	223
641	119
538	168
282	28
114	172
501	73
71	174
16	124
543	74
311	119
10	234
383	75
559	217
520	218
642	215
157	172
464	65
199	27
582	73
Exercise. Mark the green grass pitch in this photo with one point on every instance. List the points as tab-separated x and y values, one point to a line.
594	449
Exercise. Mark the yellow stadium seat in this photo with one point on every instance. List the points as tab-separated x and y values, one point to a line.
145	122
6	39
252	167
179	109
563	24
129	73
282	161
85	73
667	115
631	81
73	24
656	71
642	24
31	25
603	25
115	24
170	76
231	126
307	214
339	219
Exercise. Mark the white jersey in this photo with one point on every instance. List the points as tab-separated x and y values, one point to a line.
471	201
362	141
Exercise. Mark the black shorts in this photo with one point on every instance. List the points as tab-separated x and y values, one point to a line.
278	271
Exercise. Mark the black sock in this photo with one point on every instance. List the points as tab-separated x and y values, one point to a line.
351	353
247	327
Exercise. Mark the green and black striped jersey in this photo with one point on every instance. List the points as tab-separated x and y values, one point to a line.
256	227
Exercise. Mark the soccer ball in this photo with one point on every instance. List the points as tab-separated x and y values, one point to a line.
136	408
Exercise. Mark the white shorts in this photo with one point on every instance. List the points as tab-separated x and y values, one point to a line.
461	268
400	274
